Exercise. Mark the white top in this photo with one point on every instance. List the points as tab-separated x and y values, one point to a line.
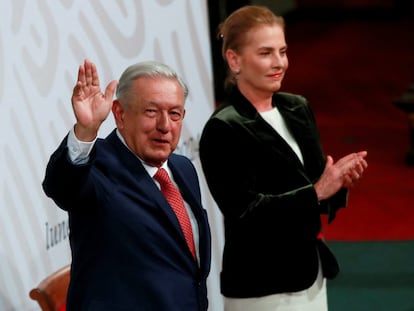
274	118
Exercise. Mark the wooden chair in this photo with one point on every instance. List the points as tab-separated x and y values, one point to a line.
51	292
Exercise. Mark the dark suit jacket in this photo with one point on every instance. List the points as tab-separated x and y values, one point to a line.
128	252
270	207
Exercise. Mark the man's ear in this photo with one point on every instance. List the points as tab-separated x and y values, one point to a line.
233	60
118	113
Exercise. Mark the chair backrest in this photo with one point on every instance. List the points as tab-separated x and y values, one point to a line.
51	292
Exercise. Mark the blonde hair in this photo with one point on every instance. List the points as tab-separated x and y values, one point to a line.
233	30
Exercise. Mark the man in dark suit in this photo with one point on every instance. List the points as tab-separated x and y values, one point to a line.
129	251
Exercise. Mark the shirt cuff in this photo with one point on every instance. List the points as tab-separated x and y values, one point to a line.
78	150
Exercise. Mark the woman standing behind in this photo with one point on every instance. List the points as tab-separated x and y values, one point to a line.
265	168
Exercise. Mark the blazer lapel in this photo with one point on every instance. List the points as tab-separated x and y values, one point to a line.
264	132
301	123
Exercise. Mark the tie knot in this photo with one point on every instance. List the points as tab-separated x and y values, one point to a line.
162	177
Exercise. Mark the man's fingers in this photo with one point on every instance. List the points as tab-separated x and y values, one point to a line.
77	90
110	89
88	73
95	77
81	74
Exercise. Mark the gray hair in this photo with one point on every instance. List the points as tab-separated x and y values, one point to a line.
147	69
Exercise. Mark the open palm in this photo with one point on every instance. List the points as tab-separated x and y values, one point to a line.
90	105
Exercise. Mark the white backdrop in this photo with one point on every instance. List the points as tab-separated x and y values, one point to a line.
42	43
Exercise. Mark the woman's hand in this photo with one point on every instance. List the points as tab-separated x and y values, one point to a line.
344	173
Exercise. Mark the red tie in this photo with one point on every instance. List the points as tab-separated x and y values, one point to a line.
173	196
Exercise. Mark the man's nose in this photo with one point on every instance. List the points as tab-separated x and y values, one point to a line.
163	121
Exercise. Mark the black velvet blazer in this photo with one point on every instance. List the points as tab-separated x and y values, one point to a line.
270	207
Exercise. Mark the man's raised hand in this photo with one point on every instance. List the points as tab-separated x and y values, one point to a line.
90	105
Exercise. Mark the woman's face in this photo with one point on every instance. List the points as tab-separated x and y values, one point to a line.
262	62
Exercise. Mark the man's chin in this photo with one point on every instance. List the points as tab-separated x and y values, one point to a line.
157	159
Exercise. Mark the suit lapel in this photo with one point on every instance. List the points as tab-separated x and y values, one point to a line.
184	186
144	184
190	191
185	189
